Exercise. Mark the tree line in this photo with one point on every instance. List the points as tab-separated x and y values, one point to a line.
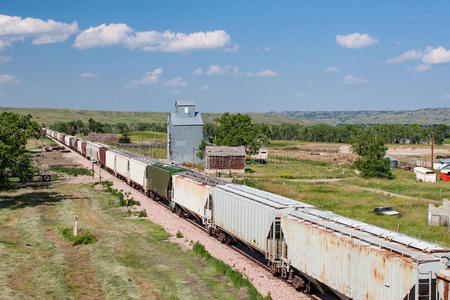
389	133
79	127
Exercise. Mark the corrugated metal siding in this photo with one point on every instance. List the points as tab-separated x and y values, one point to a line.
79	145
442	284
190	194
235	213
122	165
92	150
352	267
184	143
138	172
111	160
67	140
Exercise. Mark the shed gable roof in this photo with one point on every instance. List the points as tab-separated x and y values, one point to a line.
225	151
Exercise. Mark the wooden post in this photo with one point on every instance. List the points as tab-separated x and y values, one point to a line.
398	227
93	171
75	225
99	174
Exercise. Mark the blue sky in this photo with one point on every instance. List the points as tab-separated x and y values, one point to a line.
238	56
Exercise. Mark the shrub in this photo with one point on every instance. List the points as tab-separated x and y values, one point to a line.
142	214
179	235
83	237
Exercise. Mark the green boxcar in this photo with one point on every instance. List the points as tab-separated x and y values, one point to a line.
159	179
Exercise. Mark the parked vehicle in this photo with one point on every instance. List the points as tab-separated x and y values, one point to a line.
385	211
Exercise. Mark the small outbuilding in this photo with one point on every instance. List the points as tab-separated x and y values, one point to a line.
424	174
439	215
262	154
393	162
224	159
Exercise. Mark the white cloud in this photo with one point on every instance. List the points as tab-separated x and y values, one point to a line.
204	87
148	79
198	71
438	55
222	70
167	41
14	28
356	40
405	56
4	59
331	69
419	68
8	78
302	94
232	49
430	56
446	96
176	82
89	75
263	73
350	79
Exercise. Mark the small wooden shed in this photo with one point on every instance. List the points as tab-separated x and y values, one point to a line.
224	159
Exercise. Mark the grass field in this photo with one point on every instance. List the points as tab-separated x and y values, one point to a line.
356	197
34	144
130	259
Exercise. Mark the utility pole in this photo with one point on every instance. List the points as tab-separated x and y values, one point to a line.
432	145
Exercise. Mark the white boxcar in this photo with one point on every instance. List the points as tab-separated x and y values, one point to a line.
80	142
123	164
356	259
111	160
138	171
67	140
192	191
235	208
92	151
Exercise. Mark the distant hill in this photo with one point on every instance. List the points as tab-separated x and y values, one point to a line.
426	116
47	116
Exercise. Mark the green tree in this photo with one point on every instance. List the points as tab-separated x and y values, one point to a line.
15	130
371	161
238	130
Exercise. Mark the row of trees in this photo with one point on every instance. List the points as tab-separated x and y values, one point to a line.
15	130
78	127
389	133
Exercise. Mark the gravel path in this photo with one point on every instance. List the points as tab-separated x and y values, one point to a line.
263	281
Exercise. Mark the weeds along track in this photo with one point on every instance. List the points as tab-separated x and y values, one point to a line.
238	259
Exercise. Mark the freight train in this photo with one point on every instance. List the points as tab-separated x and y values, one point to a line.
312	249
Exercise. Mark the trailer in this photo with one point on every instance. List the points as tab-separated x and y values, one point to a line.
445	175
424	174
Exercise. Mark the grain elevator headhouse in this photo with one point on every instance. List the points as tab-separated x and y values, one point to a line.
184	133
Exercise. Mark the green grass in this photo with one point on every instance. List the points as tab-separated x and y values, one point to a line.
142	214
132	258
83	236
238	280
359	204
34	144
148	136
71	170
